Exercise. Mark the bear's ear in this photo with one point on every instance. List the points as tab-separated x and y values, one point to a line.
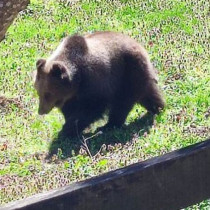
40	64
59	71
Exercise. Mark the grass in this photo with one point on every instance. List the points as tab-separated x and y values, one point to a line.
174	32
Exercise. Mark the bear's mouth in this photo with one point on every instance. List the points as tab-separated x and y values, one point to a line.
59	103
43	112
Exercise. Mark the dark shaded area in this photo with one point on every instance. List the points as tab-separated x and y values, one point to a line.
107	137
172	181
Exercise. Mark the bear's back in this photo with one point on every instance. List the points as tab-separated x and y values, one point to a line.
111	42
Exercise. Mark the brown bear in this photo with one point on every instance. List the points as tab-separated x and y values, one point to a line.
87	75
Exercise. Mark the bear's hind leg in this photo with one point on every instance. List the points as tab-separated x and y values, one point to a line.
152	99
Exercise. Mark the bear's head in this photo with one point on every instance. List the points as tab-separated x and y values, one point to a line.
54	84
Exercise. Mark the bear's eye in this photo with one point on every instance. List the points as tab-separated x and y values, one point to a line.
47	96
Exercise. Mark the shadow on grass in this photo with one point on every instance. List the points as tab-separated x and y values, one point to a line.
68	146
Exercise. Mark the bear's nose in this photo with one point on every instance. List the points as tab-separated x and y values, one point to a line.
41	112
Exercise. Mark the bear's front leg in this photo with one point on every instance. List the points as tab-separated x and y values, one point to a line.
81	118
79	114
118	112
70	128
72	113
74	126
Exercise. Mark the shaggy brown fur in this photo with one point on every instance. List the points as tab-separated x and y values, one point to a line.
88	74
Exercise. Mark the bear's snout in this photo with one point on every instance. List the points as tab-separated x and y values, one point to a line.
43	111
